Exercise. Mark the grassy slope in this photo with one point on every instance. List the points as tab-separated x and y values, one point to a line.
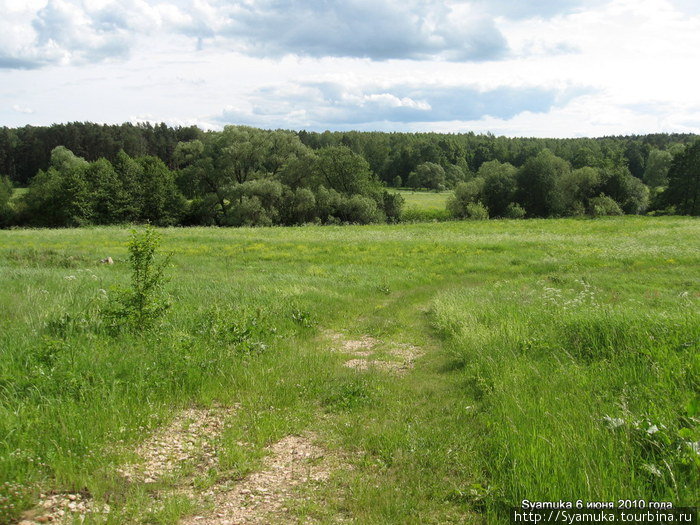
534	331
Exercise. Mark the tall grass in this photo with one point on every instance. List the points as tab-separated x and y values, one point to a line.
577	399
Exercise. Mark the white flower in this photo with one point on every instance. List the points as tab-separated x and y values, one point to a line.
613	422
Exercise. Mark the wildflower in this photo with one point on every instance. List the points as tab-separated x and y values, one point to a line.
613	422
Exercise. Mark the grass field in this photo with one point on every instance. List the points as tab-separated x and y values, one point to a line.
539	359
427	200
424	205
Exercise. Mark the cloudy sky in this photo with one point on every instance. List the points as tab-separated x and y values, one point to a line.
559	68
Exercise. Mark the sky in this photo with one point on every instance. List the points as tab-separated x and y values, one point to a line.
542	68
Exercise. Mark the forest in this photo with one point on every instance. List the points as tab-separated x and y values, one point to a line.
83	174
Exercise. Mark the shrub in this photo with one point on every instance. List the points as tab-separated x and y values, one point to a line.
515	211
465	193
628	191
477	211
141	305
299	206
359	210
603	205
392	204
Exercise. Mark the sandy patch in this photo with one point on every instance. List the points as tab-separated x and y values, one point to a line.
406	352
260	497
190	437
62	508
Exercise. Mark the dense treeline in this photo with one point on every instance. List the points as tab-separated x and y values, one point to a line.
24	151
95	174
241	176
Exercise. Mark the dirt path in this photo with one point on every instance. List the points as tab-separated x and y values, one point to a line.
261	496
190	439
293	467
366	353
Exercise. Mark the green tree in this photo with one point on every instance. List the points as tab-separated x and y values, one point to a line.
6	211
140	306
499	186
628	191
636	154
476	211
241	151
299	206
428	175
60	196
340	169
107	194
465	193
603	205
586	157
298	171
683	190
657	166
575	188
537	183
455	174
359	209
392	205
162	202
130	201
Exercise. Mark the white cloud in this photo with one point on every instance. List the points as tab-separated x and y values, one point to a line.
22	109
564	68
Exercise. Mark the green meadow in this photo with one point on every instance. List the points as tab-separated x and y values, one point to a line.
429	200
555	359
424	205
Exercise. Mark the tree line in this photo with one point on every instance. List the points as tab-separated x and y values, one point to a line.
239	177
100	174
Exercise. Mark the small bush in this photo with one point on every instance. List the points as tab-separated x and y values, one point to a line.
141	305
477	211
603	205
392	205
515	211
465	193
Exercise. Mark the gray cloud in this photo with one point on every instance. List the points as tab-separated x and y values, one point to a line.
68	31
89	37
458	30
373	29
13	62
74	31
330	105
